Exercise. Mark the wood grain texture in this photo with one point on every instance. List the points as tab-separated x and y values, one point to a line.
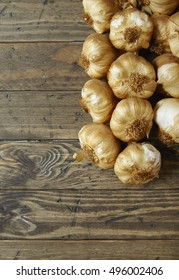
90	250
41	66
46	165
41	115
85	214
42	20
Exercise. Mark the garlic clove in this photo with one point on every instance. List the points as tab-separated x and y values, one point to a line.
130	30
132	119
98	100
99	145
173	33
131	75
138	163
97	55
98	13
166	116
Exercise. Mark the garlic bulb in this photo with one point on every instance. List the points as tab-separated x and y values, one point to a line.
97	55
167	118
132	119
167	67
99	145
159	43
132	76
165	7
131	30
98	100
173	33
98	13
138	164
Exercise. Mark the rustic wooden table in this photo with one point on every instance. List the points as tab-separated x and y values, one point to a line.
50	207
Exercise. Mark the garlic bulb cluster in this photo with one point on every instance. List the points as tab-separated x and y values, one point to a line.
132	119
98	100
159	43
138	163
133	62
167	118
166	7
173	33
167	67
132	76
99	145
98	13
97	55
131	30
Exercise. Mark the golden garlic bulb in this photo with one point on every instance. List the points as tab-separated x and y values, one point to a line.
167	67
97	55
165	7
167	118
98	13
131	30
159	43
99	145
132	76
138	164
173	33
98	100
132	119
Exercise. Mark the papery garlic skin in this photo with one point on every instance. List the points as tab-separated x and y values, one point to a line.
97	55
132	119
98	100
131	75
130	30
138	164
167	68
159	43
173	33
99	145
98	13
166	116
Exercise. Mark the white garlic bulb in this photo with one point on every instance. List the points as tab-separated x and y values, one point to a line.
166	117
98	13
99	145
167	68
138	164
132	119
159	43
98	100
97	55
131	75
131	30
173	33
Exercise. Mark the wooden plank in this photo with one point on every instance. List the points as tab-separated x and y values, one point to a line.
44	165
32	20
90	250
41	66
84	214
41	115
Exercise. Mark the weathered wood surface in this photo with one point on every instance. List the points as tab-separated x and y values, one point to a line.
41	115
42	20
84	214
93	250
44	165
41	66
